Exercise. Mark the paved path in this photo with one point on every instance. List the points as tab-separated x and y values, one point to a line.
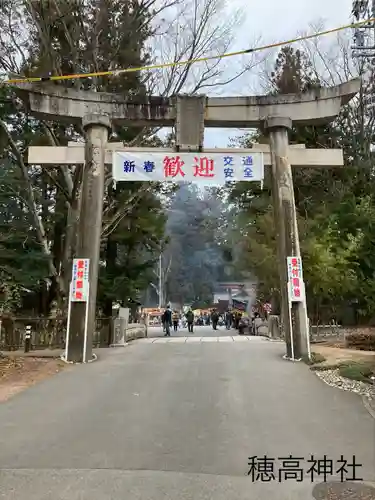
199	338
206	331
153	421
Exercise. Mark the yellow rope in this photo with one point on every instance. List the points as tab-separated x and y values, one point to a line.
189	61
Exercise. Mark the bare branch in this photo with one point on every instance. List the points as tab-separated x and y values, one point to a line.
330	60
198	29
21	52
47	171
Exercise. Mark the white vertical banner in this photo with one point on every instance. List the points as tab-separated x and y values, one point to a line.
79	291
80	280
297	293
295	279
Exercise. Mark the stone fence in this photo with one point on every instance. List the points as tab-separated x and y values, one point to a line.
50	333
318	333
124	333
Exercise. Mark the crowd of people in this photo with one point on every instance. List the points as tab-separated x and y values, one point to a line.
230	319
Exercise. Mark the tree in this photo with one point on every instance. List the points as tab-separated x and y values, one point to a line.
292	73
353	204
328	202
197	29
196	248
23	265
130	251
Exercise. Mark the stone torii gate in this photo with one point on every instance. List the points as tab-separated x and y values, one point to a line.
96	112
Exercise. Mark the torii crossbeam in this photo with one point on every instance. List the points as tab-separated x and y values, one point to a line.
74	154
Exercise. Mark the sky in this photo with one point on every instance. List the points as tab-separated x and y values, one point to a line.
275	20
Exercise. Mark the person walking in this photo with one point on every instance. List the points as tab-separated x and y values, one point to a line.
257	322
190	320
228	319
167	321
215	319
175	318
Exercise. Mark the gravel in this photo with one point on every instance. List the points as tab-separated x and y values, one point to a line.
332	378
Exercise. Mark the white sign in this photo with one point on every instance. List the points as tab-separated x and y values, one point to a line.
210	168
80	280
295	279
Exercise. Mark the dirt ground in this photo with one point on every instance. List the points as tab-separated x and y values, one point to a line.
336	355
17	373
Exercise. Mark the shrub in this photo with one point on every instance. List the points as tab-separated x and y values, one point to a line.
356	371
314	358
324	368
363	341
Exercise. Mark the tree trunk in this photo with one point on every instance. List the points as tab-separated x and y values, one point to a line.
111	258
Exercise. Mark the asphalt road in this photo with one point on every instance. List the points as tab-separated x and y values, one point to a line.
155	421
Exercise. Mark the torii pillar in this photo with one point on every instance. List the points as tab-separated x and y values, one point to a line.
285	216
96	128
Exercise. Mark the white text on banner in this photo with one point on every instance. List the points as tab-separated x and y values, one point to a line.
213	168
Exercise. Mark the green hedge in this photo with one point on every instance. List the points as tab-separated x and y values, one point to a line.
356	371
